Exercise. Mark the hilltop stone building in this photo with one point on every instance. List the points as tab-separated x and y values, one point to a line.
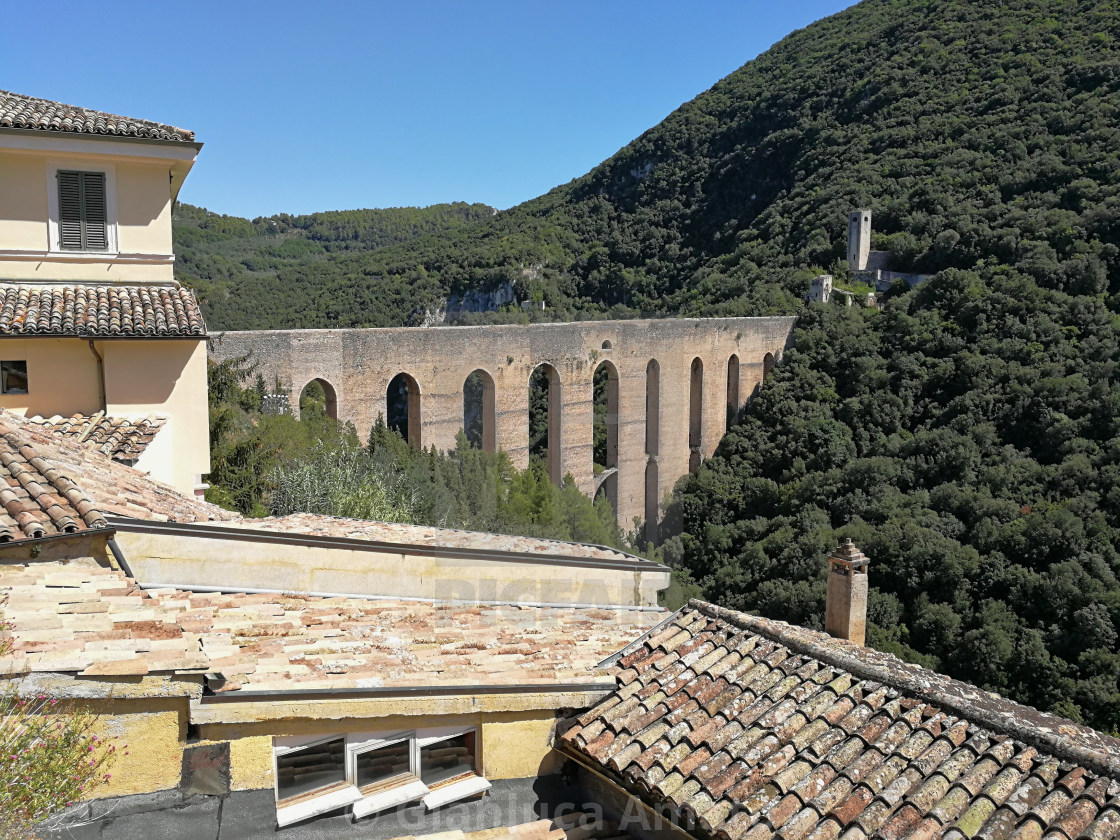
97	339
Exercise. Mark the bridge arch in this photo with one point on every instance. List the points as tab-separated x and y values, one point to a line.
653	417
653	407
732	389
545	433
319	392
402	408
479	411
767	366
604	426
652	501
695	413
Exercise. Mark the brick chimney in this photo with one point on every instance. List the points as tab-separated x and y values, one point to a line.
845	612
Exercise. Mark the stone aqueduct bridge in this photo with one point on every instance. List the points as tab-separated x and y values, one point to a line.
671	383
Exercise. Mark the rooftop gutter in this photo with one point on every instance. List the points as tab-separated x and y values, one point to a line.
469	602
204	531
104	337
84	533
89	135
418	691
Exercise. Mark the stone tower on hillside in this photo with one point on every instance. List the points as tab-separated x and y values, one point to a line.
859	239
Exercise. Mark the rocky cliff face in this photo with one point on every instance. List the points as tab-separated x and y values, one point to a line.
471	300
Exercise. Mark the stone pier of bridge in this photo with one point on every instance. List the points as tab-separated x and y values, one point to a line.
672	382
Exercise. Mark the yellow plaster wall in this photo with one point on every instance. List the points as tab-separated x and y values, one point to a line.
23	203
151	728
250	762
164	377
200	561
144	208
154	730
143	212
141	377
61	376
514	745
518	746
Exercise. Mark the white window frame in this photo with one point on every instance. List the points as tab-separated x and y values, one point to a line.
365	742
54	247
463	788
312	804
411	790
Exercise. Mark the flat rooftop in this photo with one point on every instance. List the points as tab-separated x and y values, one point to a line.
83	618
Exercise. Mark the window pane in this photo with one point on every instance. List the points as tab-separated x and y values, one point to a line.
303	771
382	764
13	377
447	759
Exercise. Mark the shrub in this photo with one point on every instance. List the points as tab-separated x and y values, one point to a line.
50	756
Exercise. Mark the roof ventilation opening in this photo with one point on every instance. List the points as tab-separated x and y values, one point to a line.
845	612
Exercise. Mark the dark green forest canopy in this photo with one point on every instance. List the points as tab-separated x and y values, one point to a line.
966	436
275	271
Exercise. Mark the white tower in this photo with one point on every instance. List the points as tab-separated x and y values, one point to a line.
859	239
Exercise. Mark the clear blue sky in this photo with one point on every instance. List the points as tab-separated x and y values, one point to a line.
306	106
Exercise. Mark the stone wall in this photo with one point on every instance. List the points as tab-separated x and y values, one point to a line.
357	365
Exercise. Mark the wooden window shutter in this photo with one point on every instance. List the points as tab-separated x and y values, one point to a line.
96	235
82	216
70	211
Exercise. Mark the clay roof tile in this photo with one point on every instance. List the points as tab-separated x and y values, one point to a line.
802	736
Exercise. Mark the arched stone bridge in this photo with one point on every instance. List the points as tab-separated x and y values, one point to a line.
671	383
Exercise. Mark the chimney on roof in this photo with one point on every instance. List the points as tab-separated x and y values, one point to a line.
845	611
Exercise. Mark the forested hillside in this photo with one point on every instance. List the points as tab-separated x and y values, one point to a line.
272	271
979	132
966	437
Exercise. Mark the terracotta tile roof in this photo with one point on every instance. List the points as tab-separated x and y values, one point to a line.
99	311
36	498
81	617
122	491
20	111
120	438
331	526
748	729
113	487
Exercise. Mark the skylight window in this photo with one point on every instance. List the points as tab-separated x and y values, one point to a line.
374	772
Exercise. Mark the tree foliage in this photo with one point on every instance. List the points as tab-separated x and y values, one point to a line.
967	438
51	754
265	464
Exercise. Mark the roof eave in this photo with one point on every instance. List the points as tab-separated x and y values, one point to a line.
85	135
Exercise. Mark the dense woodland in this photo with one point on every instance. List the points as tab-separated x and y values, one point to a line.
966	435
264	463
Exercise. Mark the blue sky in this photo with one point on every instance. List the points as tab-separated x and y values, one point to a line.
333	105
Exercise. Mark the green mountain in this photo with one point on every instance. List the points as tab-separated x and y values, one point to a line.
966	436
271	271
977	131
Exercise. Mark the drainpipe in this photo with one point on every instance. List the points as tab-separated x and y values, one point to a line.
100	376
118	555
